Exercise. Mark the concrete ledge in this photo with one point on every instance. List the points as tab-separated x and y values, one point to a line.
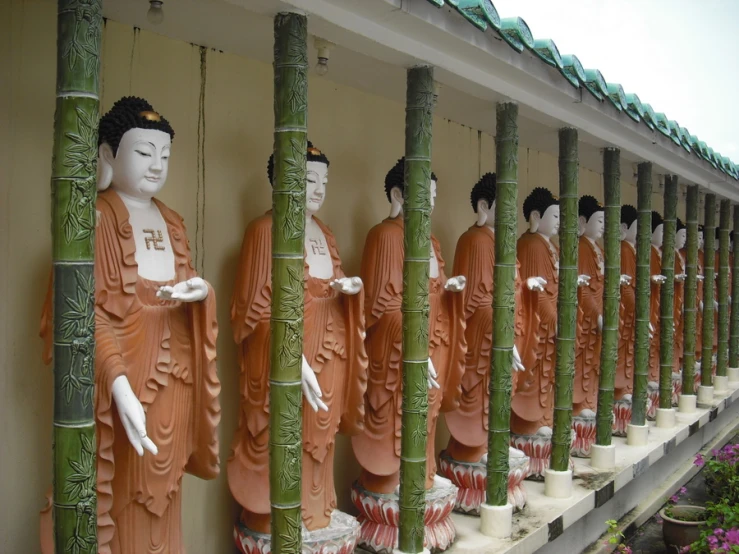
642	477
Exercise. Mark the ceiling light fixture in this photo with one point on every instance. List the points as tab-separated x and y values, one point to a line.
324	52
155	15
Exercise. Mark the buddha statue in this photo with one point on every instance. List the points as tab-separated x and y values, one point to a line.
334	372
533	399
677	315
624	381
156	386
464	460
656	278
699	304
377	448
591	269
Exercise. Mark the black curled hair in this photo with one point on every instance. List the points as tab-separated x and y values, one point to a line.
313	154
484	189
539	200
679	224
394	178
130	112
656	220
628	214
588	205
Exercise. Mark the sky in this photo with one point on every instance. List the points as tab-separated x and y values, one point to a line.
680	56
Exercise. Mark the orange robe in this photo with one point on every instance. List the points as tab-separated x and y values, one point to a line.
468	425
378	448
655	268
699	312
167	349
677	315
533	401
588	340
333	327
627	318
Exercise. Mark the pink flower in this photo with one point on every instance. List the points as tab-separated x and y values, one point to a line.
699	461
674	498
683	490
733	535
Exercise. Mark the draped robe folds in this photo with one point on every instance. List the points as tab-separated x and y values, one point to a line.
624	383
677	315
533	400
588	338
333	345
655	268
167	350
378	448
468	425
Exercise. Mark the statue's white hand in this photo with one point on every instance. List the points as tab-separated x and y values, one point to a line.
536	284
311	388
517	363
347	285
700	277
625	280
432	375
715	306
456	284
132	416
192	290
681	277
583	280
600	322
651	331
658	279
700	305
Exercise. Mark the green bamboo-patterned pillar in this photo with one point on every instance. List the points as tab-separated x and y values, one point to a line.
667	302
415	308
734	333
566	300
641	319
73	185
611	294
288	233
691	286
722	361
709	234
499	414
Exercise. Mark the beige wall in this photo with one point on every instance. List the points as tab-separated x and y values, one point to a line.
362	135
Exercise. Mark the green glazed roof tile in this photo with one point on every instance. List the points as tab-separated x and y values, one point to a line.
660	121
595	83
634	108
516	33
573	70
649	116
547	51
617	96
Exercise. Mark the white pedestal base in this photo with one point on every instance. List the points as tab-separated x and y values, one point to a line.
721	385
687	403
603	457
636	435
496	521
665	418
733	374
705	395
558	484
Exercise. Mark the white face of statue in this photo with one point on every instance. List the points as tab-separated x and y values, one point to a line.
680	237
141	164
595	226
657	235
630	234
549	222
700	240
316	178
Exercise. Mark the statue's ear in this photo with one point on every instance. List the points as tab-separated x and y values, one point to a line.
624	229
397	195
105	166
581	223
534	219
482	205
